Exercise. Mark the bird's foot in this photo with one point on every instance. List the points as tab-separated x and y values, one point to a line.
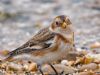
39	68
56	73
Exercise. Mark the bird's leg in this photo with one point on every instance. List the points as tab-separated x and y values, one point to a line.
62	73
39	68
53	69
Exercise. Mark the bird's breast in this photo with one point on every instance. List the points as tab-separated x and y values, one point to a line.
64	43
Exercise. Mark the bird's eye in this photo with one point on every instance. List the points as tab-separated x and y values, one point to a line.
57	23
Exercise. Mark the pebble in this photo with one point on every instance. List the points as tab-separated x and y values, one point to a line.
64	62
86	73
32	67
95	45
15	67
91	66
59	68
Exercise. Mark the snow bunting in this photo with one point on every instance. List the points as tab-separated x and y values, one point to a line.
49	44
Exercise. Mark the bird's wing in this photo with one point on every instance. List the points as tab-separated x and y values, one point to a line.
40	38
32	49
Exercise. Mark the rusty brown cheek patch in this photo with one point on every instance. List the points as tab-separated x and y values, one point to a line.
53	26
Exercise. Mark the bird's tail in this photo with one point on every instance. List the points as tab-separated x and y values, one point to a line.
10	55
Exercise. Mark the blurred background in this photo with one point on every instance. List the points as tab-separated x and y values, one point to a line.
20	19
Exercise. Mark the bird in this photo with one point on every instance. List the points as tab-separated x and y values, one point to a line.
50	44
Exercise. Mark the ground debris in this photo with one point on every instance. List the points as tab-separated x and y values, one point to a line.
87	64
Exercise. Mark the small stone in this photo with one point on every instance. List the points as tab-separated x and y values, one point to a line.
67	63
32	67
86	73
4	65
84	48
59	68
70	63
4	52
79	49
14	67
94	56
95	45
87	60
25	66
64	62
91	66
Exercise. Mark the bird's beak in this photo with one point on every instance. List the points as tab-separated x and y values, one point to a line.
64	25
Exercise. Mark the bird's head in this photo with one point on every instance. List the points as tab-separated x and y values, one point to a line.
60	24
